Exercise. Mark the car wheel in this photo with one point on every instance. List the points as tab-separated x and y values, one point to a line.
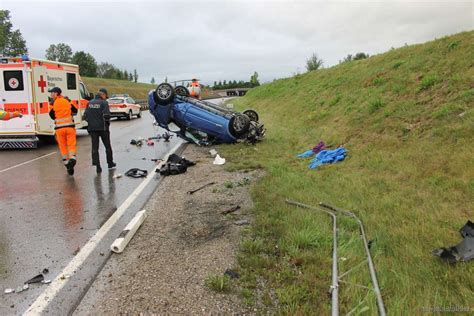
182	91
139	115
129	117
164	93
239	124
253	116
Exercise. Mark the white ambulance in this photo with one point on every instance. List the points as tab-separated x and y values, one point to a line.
24	85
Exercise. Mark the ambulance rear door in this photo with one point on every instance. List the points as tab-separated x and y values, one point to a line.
16	95
41	84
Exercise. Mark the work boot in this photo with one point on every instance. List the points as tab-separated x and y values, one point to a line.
70	166
112	165
98	169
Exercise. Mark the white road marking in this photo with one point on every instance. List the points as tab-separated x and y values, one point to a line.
26	162
41	303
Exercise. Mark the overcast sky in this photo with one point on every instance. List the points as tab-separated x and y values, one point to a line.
217	40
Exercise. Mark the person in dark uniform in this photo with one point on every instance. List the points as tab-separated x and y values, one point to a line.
97	116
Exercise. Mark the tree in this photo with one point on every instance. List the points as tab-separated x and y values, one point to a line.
152	80
105	70
11	41
86	62
254	80
314	63
125	75
59	52
135	76
360	56
130	76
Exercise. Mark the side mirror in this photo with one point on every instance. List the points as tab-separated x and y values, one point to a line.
90	96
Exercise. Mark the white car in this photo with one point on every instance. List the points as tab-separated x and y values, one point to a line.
124	107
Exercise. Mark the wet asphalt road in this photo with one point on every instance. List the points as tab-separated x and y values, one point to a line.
46	216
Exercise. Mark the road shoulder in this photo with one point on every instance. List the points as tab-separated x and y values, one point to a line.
184	240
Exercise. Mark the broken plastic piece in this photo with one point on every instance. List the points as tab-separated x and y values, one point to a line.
45	271
37	279
219	160
136	173
232	274
150	142
46	281
463	251
9	291
213	152
118	175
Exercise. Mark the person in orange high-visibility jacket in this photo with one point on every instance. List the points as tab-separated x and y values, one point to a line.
5	116
194	89
62	112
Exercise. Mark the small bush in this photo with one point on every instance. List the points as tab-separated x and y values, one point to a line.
453	45
397	64
428	82
218	283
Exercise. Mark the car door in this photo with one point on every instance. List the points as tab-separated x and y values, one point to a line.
132	104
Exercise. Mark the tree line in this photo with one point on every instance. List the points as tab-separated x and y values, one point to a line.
87	63
253	82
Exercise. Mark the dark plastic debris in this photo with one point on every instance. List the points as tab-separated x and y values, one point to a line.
200	188
463	251
37	279
232	274
136	173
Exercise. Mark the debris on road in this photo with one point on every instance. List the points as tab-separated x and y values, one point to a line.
175	165
242	222
37	279
219	160
136	173
463	251
9	291
166	136
46	281
118	175
231	210
45	271
149	142
200	188
126	235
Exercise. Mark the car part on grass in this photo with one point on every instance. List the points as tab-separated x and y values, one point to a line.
37	279
213	153
126	235
180	160
334	289
242	222
463	251
373	275
171	169
218	160
231	210
200	188
171	105
136	173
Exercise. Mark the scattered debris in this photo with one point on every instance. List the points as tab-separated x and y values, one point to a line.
156	159
175	165
138	142
166	136
37	279
64	276
231	210
9	291
232	274
45	271
76	251
46	281
242	222
213	153
219	160
126	235
118	175
244	181
316	149
150	142
463	251
328	156
200	188
136	173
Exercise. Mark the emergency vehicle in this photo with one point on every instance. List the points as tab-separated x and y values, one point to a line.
24	85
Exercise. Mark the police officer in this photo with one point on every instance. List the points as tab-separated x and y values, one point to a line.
97	116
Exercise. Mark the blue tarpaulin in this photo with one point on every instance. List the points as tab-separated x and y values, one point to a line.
328	156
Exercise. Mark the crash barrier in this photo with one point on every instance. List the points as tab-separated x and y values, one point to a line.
375	285
143	104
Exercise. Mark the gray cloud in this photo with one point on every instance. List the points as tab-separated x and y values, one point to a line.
217	40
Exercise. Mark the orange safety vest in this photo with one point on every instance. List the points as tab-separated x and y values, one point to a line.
194	92
63	113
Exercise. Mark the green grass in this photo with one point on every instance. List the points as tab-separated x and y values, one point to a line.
135	90
218	283
407	119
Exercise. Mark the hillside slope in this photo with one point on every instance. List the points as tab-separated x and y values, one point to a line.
135	90
407	119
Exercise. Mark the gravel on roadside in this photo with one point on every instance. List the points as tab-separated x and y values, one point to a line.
184	239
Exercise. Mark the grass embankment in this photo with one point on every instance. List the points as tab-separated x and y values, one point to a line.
407	119
138	91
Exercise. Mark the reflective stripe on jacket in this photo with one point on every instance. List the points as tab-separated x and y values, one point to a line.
61	112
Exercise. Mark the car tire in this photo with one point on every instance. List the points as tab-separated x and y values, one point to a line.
130	115
139	115
164	94
253	116
239	124
182	91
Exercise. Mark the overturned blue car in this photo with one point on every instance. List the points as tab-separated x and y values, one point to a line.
201	121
